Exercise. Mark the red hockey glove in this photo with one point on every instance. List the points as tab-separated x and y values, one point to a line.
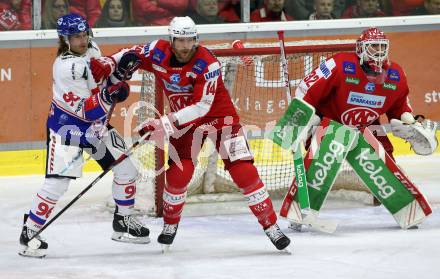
116	93
102	68
165	124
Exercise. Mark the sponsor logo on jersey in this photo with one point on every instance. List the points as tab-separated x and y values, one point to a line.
213	74
393	74
159	68
370	87
359	117
324	70
352	80
177	88
199	66
191	74
175	78
365	100
390	86
158	55
349	67
146	50
63	119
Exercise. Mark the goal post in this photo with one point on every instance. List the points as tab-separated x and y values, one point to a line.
257	90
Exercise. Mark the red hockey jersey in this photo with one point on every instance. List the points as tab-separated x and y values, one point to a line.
196	92
339	89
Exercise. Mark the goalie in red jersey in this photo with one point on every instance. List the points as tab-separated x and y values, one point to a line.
355	89
191	78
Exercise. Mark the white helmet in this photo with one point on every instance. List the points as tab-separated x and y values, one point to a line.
182	27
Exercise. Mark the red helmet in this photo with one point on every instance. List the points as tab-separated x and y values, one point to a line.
372	48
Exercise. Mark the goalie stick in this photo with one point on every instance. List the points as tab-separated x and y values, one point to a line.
35	243
309	217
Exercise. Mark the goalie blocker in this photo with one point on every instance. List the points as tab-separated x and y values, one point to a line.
330	145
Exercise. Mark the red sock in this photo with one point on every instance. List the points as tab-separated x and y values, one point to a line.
174	193
245	175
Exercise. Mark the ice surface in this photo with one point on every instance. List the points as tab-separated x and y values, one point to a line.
367	244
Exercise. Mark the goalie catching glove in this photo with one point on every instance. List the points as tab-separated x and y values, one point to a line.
421	135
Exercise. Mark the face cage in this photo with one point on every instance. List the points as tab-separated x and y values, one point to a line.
375	58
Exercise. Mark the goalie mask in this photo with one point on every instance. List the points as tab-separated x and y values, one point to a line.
372	48
183	27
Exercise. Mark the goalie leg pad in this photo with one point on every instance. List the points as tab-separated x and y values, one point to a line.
387	182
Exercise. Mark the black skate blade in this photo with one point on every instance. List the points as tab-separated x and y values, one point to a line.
127	238
32	253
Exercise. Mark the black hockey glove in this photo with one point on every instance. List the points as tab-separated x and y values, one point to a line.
129	63
116	93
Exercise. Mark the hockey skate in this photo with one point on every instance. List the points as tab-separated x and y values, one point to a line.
278	238
36	248
167	236
128	229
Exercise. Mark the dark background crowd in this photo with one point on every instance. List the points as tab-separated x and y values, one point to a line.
17	14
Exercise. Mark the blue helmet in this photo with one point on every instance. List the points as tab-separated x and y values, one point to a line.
71	24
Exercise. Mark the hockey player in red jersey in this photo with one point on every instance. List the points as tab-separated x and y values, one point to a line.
191	78
355	89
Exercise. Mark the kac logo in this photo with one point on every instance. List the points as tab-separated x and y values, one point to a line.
175	78
359	117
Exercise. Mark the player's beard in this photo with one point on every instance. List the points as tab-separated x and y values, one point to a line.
184	56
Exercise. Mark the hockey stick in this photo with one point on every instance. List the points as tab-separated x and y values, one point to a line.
309	216
298	161
104	128
101	133
35	243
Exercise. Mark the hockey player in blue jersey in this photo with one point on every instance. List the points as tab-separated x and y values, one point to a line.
77	115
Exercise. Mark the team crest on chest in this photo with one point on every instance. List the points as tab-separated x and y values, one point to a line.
175	78
370	87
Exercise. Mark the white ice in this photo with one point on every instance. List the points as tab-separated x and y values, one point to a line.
367	244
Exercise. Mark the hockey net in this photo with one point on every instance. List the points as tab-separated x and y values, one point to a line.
253	76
